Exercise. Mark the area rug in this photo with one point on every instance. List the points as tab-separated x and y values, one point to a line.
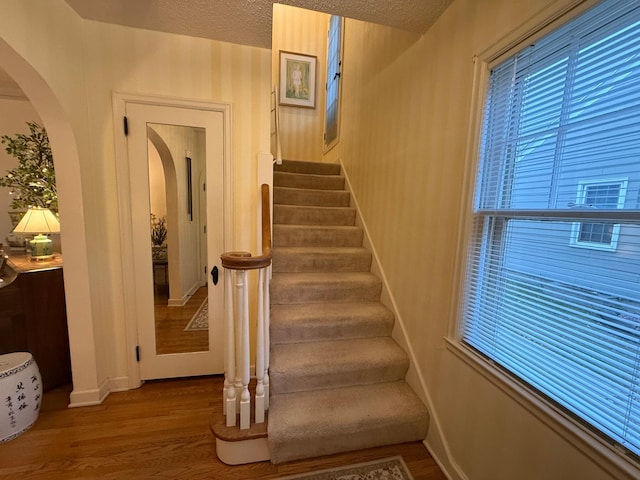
392	468
200	320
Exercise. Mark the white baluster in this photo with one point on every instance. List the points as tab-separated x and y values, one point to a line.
259	408
243	317
266	335
240	276
229	391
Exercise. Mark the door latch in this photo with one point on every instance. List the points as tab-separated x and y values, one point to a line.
214	275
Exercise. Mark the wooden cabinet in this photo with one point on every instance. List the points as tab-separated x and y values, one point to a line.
33	318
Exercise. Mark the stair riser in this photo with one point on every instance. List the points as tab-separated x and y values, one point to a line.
287	235
307	323
297	448
313	182
289	383
321	292
320	198
300	215
314	168
323	331
355	262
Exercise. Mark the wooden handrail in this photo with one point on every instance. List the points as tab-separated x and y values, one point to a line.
278	159
244	260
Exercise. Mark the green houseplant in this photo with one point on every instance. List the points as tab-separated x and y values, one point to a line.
158	237
33	182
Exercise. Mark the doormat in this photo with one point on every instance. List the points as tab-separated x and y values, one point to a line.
200	320
392	468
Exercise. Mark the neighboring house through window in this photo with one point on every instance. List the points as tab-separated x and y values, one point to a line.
604	194
564	322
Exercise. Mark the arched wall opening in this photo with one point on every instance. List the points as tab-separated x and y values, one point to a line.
72	218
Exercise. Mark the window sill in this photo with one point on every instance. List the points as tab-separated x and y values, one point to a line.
326	148
606	455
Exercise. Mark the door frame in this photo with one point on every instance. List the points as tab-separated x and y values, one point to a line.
130	300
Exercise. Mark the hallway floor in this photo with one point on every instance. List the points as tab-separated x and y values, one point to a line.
159	431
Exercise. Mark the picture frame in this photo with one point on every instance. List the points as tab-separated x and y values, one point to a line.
297	79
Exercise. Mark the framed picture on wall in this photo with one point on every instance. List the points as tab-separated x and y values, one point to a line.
297	79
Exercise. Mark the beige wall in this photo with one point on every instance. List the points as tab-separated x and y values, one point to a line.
78	64
406	107
305	32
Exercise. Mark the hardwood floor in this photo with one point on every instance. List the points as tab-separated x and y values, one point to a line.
159	431
171	321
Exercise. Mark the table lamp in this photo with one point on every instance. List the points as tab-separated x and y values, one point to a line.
40	221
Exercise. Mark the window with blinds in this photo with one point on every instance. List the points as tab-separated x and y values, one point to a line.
553	284
334	65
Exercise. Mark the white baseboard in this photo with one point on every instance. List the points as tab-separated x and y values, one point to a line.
119	384
87	398
181	302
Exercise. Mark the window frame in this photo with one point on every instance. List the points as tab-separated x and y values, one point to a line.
576	228
596	447
332	121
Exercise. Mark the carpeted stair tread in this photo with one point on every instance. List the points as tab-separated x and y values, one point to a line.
313	215
326	321
318	168
323	422
296	288
306	180
317	236
321	259
303	196
297	367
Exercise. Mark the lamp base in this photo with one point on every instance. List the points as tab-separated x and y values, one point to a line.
41	247
41	258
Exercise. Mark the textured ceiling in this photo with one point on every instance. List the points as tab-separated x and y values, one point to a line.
248	22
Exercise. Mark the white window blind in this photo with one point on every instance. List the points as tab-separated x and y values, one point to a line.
334	67
562	118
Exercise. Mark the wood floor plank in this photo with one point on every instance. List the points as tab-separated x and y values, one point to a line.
170	323
159	431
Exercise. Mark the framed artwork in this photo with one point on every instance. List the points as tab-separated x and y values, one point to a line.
297	79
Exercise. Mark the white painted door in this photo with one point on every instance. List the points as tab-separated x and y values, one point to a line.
182	226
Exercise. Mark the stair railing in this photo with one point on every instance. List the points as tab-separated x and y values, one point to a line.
275	109
236	396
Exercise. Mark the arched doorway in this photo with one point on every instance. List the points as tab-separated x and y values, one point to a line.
76	268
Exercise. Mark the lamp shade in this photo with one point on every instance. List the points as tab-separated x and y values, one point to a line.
38	220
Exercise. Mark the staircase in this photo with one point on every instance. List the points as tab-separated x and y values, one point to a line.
336	375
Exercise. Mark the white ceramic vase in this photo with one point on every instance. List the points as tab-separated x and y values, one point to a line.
20	394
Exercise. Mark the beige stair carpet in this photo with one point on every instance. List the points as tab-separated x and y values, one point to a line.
336	375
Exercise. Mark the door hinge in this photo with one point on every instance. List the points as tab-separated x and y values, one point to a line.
204	229
126	126
137	353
